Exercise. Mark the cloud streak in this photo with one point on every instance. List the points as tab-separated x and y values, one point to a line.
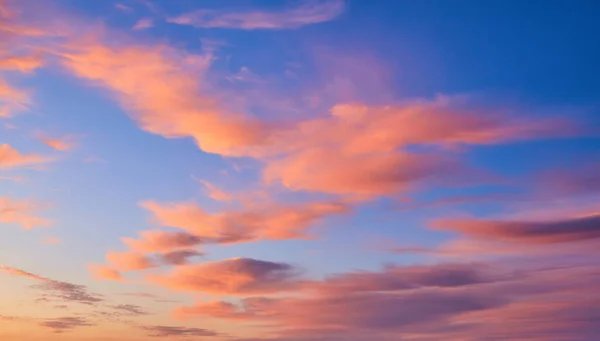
531	232
10	158
57	290
21	212
234	276
172	331
63	324
310	12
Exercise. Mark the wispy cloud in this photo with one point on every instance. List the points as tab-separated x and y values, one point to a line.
532	232
255	222
102	272
311	12
143	24
123	8
57	290
431	302
21	212
62	324
24	63
11	158
60	143
130	309
179	257
12	100
130	261
52	240
235	276
171	331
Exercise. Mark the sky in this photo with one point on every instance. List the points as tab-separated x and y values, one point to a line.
320	170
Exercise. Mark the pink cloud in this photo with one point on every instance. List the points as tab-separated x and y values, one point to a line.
12	100
532	232
21	212
11	158
368	174
162	241
129	261
397	278
533	302
234	276
175	107
18	272
24	63
275	222
62	143
102	272
355	149
358	149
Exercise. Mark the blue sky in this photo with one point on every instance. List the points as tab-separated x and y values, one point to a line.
372	127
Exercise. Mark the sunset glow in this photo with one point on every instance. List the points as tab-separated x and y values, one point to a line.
299	170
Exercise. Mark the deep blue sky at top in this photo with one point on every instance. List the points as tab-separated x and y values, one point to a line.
538	55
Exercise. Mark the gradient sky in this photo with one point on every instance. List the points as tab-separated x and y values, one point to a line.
318	170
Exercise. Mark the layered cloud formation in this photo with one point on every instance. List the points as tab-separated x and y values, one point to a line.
267	237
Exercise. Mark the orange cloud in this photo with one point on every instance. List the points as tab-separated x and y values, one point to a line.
174	107
18	272
12	100
62	144
356	149
234	276
218	309
11	158
129	261
275	222
102	272
361	149
328	170
162	241
23	63
21	212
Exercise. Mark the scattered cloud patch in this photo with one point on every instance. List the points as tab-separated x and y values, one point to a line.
170	331
311	12
143	24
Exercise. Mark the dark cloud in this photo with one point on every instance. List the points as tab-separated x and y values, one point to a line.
130	309
70	292
470	302
169	331
179	257
56	290
140	294
234	276
395	278
62	324
534	232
